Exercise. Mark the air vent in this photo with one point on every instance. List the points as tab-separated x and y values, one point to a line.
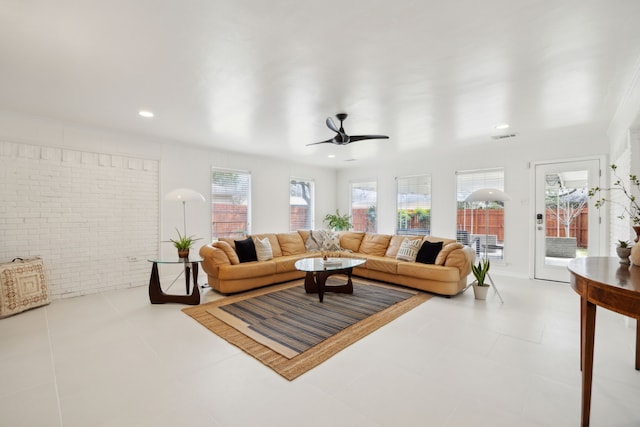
504	136
350	160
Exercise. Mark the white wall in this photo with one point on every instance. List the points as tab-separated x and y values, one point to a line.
174	165
514	155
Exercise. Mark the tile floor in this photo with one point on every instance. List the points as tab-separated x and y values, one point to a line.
113	359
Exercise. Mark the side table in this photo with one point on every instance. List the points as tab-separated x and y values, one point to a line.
157	295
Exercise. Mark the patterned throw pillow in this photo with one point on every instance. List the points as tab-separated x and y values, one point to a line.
331	241
409	250
314	241
322	240
263	249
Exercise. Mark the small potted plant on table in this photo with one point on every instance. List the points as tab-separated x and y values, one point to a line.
623	249
183	244
480	271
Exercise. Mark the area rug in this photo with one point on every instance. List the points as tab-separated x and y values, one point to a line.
292	332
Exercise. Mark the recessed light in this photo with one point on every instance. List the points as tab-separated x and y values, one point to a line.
146	113
331	156
502	126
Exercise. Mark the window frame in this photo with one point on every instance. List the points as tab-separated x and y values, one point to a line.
493	178
310	223
216	196
371	226
417	231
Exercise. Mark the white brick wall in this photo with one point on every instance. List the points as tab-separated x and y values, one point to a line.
92	217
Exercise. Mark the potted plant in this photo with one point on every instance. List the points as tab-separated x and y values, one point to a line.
623	249
480	272
338	222
183	244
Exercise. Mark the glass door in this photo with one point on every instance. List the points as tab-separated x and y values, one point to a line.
564	226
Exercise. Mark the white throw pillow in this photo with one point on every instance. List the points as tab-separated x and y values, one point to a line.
409	250
263	249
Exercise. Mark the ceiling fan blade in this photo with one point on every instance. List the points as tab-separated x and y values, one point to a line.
328	141
363	137
332	125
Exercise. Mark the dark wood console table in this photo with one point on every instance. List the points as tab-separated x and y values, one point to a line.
604	282
156	294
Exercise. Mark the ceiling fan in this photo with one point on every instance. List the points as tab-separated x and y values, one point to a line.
341	137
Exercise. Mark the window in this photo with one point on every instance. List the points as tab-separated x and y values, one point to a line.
413	205
230	203
364	206
301	204
479	224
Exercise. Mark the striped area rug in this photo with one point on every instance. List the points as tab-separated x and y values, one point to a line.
291	331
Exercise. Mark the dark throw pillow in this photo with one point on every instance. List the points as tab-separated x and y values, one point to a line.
429	252
246	250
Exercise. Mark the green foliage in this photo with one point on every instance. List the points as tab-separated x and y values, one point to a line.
633	209
624	244
183	242
480	271
422	214
338	222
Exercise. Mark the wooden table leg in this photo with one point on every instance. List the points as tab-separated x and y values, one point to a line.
315	282
157	295
588	327
637	344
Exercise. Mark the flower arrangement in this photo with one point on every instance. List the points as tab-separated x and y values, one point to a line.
633	209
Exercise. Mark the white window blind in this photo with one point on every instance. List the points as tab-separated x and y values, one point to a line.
230	203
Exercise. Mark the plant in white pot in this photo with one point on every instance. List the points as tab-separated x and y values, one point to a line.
623	249
480	271
338	222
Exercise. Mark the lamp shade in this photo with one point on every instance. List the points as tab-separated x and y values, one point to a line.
184	195
488	195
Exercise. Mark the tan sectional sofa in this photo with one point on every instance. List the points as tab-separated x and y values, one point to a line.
447	276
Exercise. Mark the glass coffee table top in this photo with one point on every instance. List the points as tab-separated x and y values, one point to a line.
318	264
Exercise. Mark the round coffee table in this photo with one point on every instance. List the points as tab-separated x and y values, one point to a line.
318	270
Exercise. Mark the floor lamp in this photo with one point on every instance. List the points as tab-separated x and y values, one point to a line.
487	195
184	195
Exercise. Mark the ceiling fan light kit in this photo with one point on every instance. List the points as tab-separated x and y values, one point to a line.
341	137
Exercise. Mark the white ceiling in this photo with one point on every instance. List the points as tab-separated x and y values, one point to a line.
261	76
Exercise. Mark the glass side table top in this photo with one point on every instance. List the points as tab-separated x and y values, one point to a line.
318	264
176	260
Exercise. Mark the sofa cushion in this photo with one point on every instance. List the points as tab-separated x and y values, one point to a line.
374	244
395	242
231	242
247	270
246	250
429	271
291	243
382	263
263	249
273	240
409	250
446	250
350	240
429	252
231	253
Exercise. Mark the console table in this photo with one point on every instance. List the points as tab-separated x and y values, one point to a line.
604	282
157	296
